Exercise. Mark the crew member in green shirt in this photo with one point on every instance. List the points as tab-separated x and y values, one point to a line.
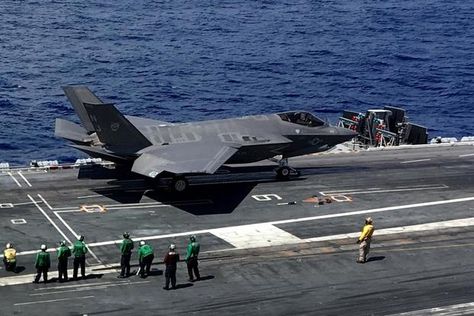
191	258
145	258
79	250
42	265
63	255
126	250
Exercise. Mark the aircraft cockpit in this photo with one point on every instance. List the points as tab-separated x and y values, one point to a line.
301	118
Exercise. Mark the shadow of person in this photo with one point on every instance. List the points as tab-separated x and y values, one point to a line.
207	277
377	258
19	269
184	285
155	272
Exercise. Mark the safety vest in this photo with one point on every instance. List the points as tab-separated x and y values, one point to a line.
9	255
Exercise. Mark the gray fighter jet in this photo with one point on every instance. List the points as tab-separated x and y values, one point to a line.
157	149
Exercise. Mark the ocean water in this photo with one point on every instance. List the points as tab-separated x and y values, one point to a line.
196	60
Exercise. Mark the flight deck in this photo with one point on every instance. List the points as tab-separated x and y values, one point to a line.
268	246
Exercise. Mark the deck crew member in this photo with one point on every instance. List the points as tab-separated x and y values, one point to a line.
79	250
63	255
364	240
191	258
9	257
145	258
42	264
126	250
171	262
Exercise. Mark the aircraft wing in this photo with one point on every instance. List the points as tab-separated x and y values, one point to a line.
182	158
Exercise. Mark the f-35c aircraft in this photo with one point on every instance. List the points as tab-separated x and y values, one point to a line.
157	149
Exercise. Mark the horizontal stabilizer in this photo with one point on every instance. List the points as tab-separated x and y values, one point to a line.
99	152
78	95
183	158
71	131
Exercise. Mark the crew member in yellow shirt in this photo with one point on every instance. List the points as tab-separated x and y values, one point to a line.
365	239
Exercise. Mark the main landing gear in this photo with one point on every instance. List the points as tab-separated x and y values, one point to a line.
284	171
178	184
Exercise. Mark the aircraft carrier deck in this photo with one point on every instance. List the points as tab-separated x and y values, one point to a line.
265	250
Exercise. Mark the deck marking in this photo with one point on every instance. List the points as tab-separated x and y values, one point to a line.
18	221
254	236
89	196
44	201
456	223
450	310
383	191
49	219
56	300
67	226
279	222
414	161
302	219
466	155
90	287
24	178
77	236
14	179
72	286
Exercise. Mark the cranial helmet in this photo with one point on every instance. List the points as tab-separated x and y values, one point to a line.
192	238
126	235
142	242
43	247
368	220
9	245
81	238
62	243
172	247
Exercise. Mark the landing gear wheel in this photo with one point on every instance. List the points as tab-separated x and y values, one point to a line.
179	184
283	173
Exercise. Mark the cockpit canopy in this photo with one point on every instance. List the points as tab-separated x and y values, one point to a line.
301	118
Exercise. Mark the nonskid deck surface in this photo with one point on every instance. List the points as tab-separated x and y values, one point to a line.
268	246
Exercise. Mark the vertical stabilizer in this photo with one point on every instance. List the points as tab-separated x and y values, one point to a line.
114	130
78	95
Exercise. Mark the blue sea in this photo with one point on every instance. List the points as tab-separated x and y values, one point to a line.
197	60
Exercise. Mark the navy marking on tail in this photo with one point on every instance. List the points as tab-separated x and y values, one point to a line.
114	130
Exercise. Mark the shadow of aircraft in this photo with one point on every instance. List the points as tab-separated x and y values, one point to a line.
220	193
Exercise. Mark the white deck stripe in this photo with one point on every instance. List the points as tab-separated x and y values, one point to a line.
451	310
27	278
413	161
288	221
68	227
383	191
49	219
303	219
56	300
91	287
457	223
24	178
254	236
14	179
466	155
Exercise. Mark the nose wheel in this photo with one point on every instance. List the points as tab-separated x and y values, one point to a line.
284	171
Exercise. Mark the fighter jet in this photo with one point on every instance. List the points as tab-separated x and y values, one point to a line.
156	149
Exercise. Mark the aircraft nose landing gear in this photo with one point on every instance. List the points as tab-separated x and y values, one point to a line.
284	171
